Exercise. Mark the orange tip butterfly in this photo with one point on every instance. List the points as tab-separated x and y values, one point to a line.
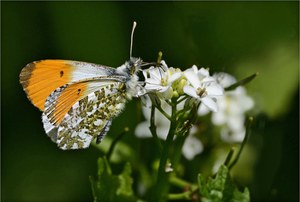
80	99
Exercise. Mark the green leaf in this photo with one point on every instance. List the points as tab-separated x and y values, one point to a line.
109	187
241	82
221	188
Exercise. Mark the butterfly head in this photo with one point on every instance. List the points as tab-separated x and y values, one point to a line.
130	67
134	65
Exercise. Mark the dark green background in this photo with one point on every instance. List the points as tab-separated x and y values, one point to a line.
237	37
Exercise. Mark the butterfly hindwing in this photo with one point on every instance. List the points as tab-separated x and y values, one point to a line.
39	79
90	117
63	98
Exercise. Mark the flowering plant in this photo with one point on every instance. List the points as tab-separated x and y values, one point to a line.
173	104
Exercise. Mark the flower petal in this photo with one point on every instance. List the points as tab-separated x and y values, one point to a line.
203	72
151	87
152	81
164	65
219	118
209	80
142	130
166	94
194	68
224	79
214	90
192	78
164	88
203	110
232	136
156	74
174	77
192	146
189	90
145	73
210	103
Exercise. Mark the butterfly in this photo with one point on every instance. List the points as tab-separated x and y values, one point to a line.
80	99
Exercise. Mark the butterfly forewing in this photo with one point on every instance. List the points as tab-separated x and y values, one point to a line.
41	78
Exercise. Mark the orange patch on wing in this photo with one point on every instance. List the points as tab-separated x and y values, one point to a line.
39	79
67	99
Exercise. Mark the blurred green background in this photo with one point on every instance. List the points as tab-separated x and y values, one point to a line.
237	37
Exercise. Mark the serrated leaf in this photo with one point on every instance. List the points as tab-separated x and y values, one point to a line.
125	182
109	187
221	188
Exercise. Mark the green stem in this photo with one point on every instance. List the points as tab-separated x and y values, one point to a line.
182	134
248	127
181	196
190	189
153	128
164	113
162	184
113	144
179	182
180	112
180	100
178	144
229	156
169	102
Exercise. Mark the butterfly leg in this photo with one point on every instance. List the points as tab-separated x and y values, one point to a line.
103	132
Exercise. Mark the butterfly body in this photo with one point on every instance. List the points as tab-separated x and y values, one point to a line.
78	99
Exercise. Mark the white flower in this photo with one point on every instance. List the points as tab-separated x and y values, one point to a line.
202	87
160	79
161	122
192	146
232	107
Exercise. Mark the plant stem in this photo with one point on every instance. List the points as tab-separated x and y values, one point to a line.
181	196
190	189
229	156
113	144
162	185
164	113
153	128
248	130
180	100
178	144
179	182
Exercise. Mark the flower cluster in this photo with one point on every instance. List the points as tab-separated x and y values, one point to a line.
232	108
162	79
227	107
171	82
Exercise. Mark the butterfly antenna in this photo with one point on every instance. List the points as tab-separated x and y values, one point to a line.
131	38
148	64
